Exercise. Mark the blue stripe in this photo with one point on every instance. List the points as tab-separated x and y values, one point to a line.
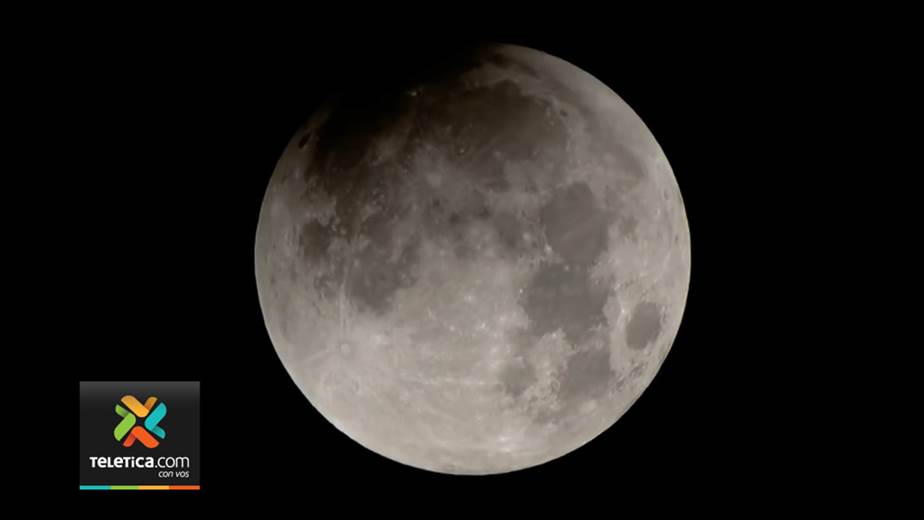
94	487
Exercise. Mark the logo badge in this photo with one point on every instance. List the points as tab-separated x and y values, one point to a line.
135	410
150	443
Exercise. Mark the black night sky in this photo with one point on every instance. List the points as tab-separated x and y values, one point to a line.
158	147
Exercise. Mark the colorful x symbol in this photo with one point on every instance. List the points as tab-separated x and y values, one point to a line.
151	419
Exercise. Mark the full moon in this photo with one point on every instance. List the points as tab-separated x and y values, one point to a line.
478	270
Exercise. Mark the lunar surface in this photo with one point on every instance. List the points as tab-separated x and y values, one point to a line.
479	270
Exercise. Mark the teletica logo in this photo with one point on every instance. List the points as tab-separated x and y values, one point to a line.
139	462
152	416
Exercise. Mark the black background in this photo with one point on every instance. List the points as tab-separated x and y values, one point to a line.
157	142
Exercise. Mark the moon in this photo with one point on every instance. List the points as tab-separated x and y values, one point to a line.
478	270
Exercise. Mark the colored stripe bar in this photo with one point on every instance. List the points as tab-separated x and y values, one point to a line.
137	488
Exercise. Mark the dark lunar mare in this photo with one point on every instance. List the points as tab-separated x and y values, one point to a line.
465	124
433	111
